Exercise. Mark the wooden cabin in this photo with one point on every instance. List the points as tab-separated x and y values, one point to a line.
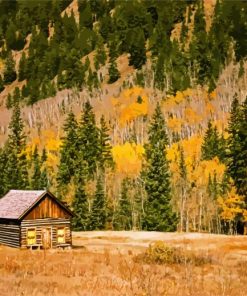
34	219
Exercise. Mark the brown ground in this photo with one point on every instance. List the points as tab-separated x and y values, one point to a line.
102	263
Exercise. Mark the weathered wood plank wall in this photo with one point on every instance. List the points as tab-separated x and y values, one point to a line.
40	224
10	235
47	208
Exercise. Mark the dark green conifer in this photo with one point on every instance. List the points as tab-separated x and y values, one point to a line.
113	72
80	203
237	146
98	212
213	144
9	70
36	171
1	84
106	159
68	152
88	139
22	67
123	216
158	213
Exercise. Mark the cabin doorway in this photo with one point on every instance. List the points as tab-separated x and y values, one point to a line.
46	238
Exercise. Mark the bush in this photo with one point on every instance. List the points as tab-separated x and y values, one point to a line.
161	253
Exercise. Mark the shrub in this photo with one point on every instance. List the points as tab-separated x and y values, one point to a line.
161	253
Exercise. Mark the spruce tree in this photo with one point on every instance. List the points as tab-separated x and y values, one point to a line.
22	67
17	145
9	70
113	72
213	144
80	203
137	49
44	180
106	159
237	146
36	174
9	102
1	84
17	137
12	173
88	139
98	212
3	161
158	215
123	216
68	152
242	162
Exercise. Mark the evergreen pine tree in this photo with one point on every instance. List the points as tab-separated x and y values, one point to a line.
242	162
9	102
98	212
237	146
137	49
88	139
106	159
3	161
12	172
17	145
22	67
80	203
36	174
9	70
113	72
44	180
123	216
1	84
68	152
213	144
158	214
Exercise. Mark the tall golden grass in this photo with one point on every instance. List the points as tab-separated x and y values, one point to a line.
114	272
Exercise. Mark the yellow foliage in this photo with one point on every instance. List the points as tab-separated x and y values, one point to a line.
198	171
208	167
231	205
175	124
213	95
191	116
128	106
128	158
209	108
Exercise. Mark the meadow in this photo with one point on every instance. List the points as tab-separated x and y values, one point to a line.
125	263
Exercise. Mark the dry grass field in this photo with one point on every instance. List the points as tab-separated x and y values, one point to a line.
118	263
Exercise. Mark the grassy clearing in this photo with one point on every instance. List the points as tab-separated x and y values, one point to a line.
161	269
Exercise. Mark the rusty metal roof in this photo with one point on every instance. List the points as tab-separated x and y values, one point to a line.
16	202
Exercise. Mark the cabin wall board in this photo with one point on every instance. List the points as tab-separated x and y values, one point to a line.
47	208
10	235
41	224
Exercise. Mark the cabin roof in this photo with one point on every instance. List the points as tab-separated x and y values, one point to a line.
18	202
